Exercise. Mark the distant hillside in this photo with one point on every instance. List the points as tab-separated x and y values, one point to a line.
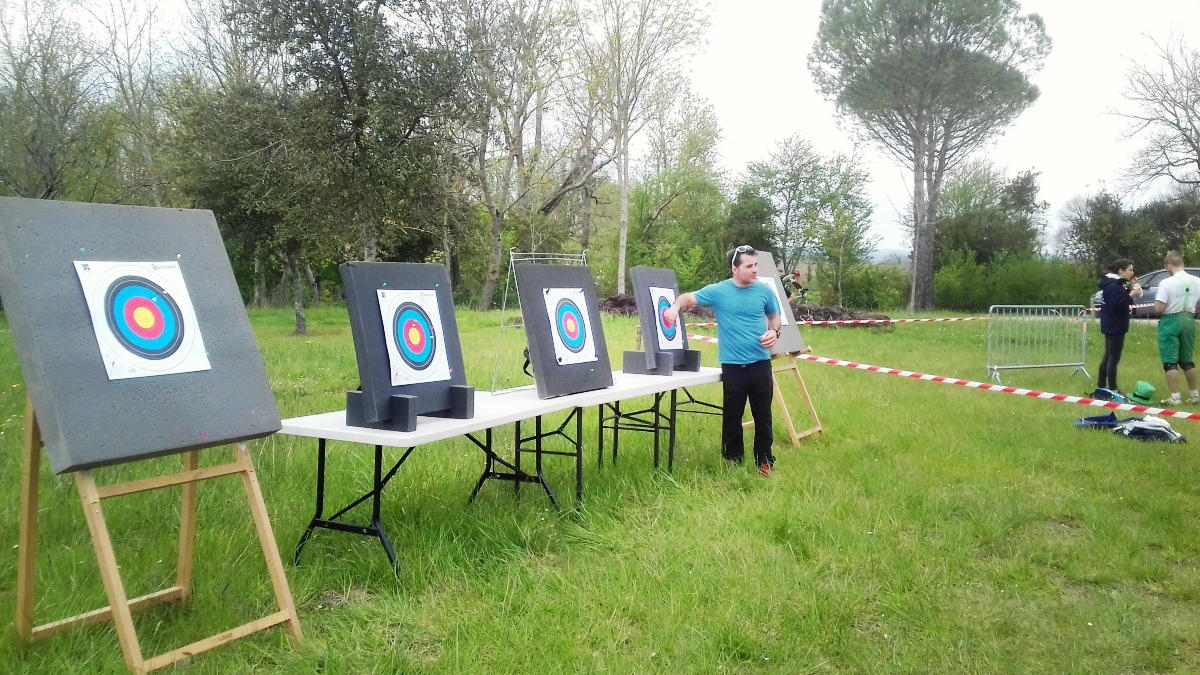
891	255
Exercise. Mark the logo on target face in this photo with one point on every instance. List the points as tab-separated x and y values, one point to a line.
569	324
415	337
143	318
669	328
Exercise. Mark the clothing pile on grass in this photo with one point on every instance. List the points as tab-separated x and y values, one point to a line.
1148	428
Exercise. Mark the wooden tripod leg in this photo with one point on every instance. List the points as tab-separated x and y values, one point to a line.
113	587
27	537
262	522
812	410
787	415
187	530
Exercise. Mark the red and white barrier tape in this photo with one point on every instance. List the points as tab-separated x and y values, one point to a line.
1144	304
1082	400
860	321
846	322
1007	390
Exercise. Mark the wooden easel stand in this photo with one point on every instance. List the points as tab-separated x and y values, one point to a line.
790	365
120	607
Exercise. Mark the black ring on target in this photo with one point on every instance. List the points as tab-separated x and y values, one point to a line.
670	331
415	340
143	317
568	321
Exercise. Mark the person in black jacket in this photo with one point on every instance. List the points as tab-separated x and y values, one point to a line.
1118	289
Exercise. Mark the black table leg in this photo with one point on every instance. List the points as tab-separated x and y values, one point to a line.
375	529
671	435
578	456
657	425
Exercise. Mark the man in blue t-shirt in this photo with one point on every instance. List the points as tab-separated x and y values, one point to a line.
747	327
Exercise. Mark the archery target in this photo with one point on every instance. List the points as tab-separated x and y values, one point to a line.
669	334
570	325
774	285
416	344
143	318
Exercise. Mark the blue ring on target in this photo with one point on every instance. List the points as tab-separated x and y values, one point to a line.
415	340
564	311
143	317
668	332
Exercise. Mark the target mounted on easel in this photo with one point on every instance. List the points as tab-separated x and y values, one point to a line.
562	326
143	318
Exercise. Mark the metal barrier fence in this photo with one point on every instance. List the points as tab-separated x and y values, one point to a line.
1036	336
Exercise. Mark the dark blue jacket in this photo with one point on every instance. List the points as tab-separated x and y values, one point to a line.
1114	313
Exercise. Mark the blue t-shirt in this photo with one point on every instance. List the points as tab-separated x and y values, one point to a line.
741	318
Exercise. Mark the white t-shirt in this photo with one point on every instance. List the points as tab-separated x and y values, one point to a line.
1179	293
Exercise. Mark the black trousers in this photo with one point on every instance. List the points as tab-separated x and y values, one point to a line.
739	383
1113	344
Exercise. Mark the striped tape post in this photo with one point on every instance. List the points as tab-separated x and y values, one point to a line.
971	384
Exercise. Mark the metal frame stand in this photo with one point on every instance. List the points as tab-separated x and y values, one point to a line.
537	450
375	529
650	420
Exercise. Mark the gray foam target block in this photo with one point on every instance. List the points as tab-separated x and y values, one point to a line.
657	360
568	355
86	419
430	374
790	340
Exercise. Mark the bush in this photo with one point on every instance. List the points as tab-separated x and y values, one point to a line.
865	286
963	284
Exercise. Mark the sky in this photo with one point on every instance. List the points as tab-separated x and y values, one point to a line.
753	69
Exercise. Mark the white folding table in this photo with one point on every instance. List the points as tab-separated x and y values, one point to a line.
510	406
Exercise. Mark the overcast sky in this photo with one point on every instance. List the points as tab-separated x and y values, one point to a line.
754	71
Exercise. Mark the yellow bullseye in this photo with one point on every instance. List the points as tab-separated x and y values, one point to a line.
414	335
143	317
570	325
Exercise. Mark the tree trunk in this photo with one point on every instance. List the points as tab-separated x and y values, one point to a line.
623	178
447	246
256	300
298	301
489	285
314	288
922	258
585	227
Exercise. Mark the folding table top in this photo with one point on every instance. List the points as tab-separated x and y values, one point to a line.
494	410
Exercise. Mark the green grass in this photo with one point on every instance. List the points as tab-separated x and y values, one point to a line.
932	529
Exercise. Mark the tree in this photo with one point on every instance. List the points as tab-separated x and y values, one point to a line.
1100	230
843	240
929	82
1167	101
634	49
805	187
989	215
54	133
366	91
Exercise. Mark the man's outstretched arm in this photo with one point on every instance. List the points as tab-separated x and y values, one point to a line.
684	301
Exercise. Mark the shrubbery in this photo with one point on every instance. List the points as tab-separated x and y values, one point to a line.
963	284
865	286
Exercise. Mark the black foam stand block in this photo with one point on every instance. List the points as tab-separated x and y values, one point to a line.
462	403
403	411
691	361
638	364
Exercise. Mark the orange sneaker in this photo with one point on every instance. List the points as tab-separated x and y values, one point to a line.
765	469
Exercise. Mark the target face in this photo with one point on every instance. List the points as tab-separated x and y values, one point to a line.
570	326
669	334
143	318
412	324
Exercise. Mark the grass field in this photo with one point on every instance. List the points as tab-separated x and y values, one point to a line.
931	529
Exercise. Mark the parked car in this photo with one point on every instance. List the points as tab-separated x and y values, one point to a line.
1149	282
